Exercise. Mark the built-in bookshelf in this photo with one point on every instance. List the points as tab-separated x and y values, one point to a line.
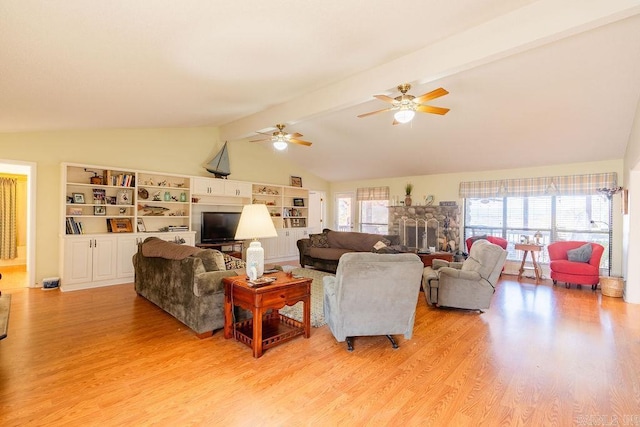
288	206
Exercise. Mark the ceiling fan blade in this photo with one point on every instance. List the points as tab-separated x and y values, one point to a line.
300	142
437	93
375	112
432	110
295	135
385	98
260	140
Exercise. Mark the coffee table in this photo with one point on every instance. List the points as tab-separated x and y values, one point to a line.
272	328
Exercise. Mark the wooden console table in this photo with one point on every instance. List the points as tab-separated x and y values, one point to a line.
529	248
272	328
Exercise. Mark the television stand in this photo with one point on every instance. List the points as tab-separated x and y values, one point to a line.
234	248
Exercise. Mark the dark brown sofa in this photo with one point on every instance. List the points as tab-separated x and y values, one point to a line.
323	251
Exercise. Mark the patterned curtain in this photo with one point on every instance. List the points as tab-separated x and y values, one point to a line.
8	228
541	186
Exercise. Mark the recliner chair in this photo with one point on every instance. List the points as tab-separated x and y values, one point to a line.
372	294
468	285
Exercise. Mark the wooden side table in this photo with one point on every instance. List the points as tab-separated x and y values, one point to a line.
427	259
529	248
266	329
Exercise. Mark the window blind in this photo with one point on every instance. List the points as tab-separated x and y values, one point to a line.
372	193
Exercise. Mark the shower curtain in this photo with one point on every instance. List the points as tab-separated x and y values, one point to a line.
8	228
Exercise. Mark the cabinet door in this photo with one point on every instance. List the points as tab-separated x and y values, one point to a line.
105	250
237	188
208	186
127	247
78	261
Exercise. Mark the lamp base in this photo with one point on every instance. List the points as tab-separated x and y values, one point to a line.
255	257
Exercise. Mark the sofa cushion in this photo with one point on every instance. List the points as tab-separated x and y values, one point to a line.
581	254
564	266
319	240
212	259
332	254
355	241
158	248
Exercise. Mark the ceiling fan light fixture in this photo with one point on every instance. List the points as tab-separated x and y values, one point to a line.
279	144
404	115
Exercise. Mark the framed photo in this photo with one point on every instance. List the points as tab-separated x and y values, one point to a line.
78	197
120	225
111	200
298	202
141	227
123	197
100	210
296	181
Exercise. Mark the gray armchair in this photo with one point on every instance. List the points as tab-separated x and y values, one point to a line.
468	285
372	294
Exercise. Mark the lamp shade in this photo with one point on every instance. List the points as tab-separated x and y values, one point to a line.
404	115
255	223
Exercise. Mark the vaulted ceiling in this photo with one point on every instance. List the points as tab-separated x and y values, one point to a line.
531	82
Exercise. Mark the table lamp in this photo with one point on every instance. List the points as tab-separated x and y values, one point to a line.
255	223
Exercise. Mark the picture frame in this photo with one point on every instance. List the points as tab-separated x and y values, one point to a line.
123	198
120	225
111	200
298	202
140	226
296	181
100	210
78	198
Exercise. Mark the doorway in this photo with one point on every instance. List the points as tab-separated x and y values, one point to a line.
19	272
345	211
317	211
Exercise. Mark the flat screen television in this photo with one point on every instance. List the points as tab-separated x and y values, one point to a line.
218	227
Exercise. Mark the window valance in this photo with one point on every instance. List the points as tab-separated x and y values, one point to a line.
372	193
541	186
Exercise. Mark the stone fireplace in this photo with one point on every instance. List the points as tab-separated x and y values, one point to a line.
440	223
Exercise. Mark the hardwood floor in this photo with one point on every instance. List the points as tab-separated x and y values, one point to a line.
542	355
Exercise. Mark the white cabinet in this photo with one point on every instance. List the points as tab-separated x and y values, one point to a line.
237	188
127	247
221	187
284	247
89	260
208	186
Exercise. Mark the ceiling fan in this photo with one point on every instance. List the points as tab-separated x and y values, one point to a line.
406	105
281	139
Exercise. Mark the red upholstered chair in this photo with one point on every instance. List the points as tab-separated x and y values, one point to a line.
580	273
492	239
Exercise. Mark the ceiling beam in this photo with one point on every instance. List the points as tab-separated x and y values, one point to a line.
531	26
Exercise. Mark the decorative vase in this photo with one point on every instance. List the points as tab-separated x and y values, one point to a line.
167	196
407	200
183	197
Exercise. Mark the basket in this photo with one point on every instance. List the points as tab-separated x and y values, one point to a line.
612	286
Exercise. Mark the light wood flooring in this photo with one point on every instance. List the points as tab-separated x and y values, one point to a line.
541	356
13	277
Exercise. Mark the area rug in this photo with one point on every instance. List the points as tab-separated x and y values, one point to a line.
317	297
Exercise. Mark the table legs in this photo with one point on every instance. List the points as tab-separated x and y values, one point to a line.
534	263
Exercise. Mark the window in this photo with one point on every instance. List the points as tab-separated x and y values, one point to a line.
374	213
582	217
374	216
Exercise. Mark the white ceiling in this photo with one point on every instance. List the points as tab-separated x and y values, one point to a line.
531	82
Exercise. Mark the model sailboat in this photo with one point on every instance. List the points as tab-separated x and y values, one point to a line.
219	166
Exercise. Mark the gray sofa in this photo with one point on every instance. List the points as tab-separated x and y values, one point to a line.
185	281
323	251
467	285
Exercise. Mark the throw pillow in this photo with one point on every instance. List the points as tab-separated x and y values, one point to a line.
232	263
319	240
581	254
212	260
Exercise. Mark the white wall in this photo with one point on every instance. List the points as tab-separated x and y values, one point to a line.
171	150
631	247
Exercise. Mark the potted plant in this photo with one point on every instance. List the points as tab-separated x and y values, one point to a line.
407	190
